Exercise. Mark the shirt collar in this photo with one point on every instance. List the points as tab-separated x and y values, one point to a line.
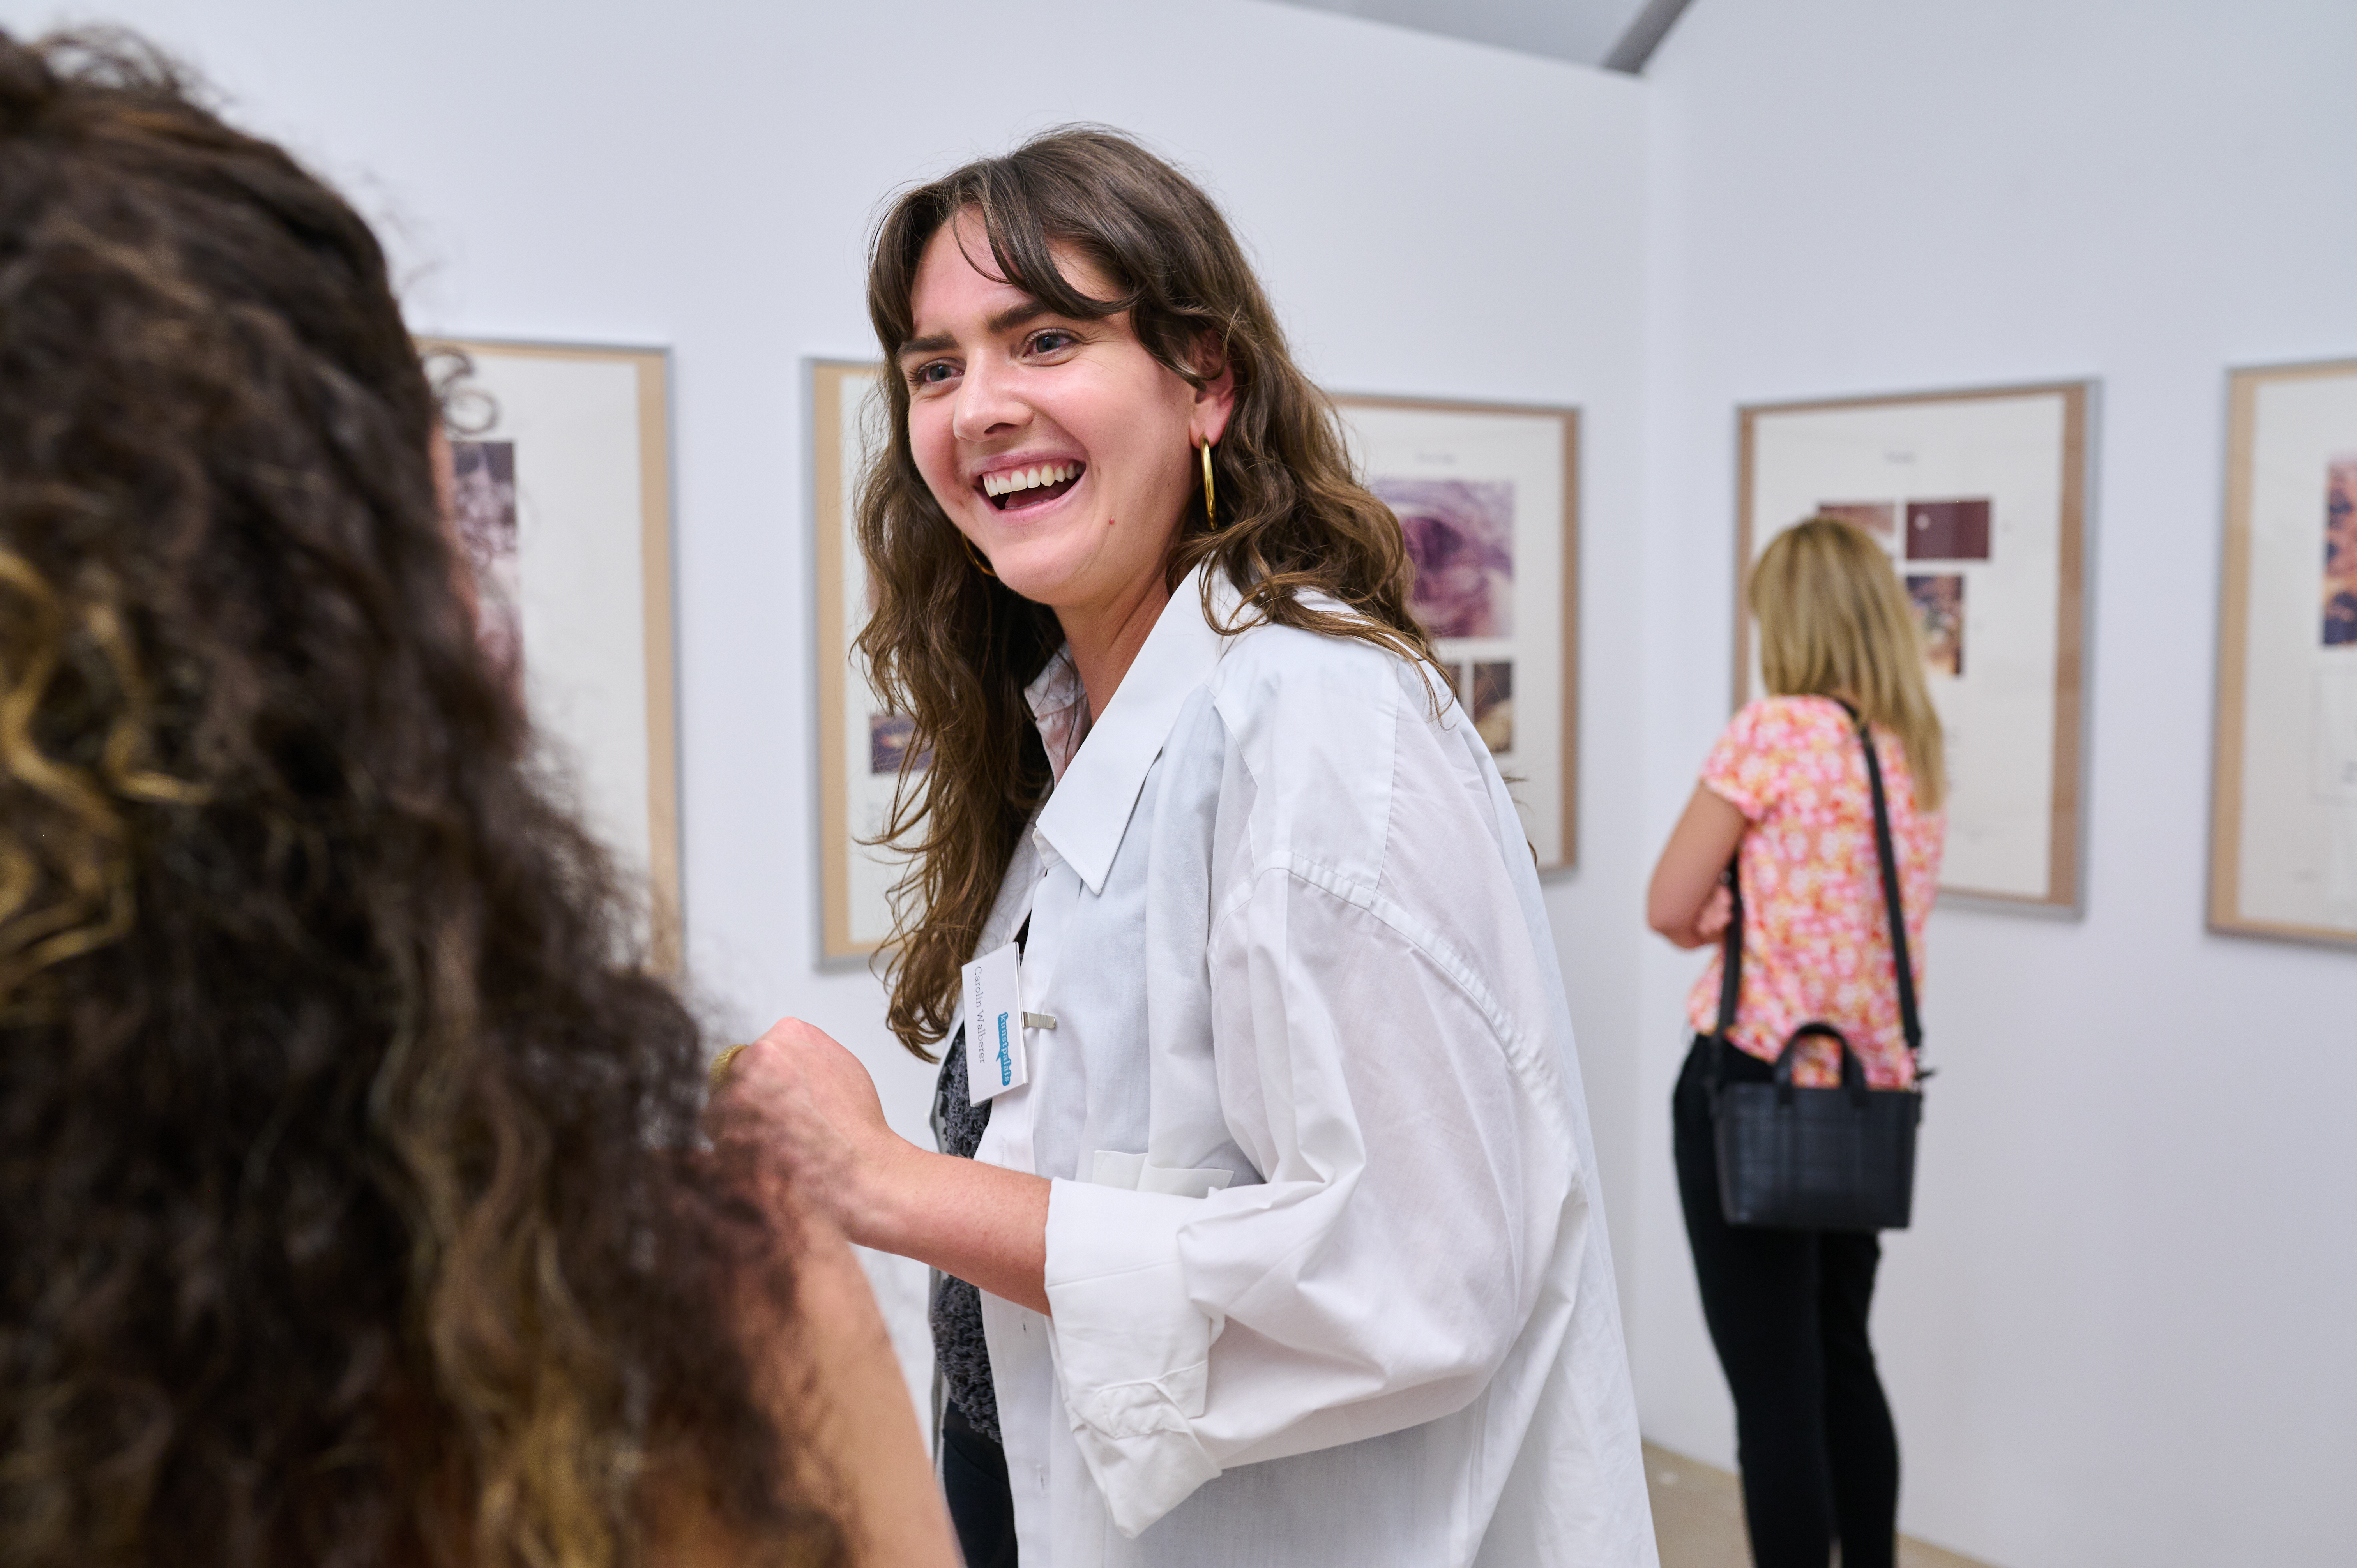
1085	817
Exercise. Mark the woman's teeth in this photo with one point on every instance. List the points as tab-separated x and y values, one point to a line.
1014	479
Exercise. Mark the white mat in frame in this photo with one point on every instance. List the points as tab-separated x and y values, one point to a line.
1488	495
566	499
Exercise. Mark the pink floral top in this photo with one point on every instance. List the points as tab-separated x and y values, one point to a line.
1815	940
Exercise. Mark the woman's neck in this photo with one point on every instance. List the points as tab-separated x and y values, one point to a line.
1104	639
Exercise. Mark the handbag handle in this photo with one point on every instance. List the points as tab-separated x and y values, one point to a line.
1853	1070
1730	982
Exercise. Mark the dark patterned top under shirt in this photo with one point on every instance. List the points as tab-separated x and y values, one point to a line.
958	1343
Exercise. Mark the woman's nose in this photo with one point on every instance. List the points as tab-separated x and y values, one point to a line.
986	405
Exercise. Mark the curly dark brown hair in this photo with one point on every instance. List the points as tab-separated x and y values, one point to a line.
353	1206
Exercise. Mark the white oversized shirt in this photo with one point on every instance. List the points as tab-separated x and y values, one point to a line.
1326	1265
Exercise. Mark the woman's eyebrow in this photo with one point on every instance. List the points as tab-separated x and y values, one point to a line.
1006	321
1014	315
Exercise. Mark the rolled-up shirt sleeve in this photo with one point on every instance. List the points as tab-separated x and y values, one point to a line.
1377	1064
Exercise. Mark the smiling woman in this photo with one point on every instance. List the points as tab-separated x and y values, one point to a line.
1084	274
1038	433
1268	1233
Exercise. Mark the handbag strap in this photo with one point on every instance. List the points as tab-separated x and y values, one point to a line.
1730	969
1908	1020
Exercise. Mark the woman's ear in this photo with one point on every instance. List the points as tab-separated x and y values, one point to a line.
1215	400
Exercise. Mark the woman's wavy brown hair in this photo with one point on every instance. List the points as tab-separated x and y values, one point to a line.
352	1201
952	648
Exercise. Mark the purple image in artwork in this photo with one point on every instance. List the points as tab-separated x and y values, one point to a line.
1939	603
2340	553
1948	531
1460	534
1493	705
483	506
889	736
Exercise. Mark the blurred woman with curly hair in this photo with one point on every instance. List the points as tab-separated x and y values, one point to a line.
359	1199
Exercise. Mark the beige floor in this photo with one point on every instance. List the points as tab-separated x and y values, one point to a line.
1698	1519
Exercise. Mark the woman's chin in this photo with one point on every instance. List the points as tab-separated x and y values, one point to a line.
1052	566
1076	561
1043	582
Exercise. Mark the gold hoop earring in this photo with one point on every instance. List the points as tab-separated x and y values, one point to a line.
1209	519
975	553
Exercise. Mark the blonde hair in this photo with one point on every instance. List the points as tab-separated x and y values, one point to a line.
1834	622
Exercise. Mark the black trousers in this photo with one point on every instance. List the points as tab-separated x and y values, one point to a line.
974	1482
1787	1313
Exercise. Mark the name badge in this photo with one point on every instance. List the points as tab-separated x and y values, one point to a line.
994	1025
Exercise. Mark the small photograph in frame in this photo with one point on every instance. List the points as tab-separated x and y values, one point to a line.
1948	531
1460	534
483	504
1980	497
560	471
2283	832
1494	703
890	739
2341	551
1488	497
1939	602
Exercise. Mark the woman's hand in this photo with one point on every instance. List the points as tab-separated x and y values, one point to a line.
817	1099
984	1224
1688	903
1717	911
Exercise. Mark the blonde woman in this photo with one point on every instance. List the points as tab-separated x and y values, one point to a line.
1784	799
1268	1210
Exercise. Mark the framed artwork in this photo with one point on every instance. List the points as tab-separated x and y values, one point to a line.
1981	497
2283	826
860	746
562	462
1489	498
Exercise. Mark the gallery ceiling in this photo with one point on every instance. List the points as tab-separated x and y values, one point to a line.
1615	34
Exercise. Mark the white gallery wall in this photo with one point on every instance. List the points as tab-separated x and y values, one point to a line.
2120	1331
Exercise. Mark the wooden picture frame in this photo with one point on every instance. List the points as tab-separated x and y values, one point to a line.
563	460
1988	488
1494	488
854	791
2283	819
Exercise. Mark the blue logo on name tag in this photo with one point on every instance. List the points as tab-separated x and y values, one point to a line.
1006	1056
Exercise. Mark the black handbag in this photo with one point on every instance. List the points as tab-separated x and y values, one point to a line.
1819	1159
